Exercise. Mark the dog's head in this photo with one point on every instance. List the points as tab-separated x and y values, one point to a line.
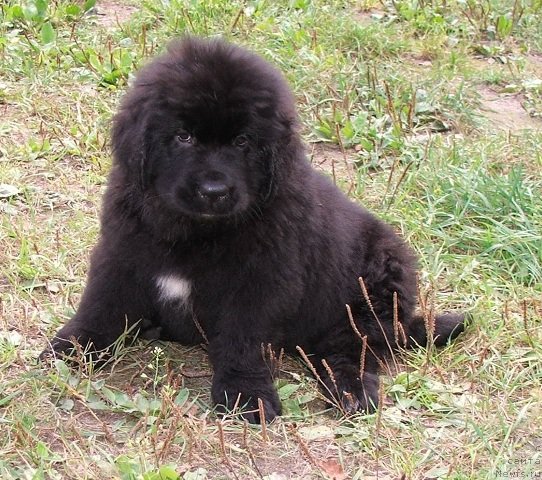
205	129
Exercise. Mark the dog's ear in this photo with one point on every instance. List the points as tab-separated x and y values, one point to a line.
281	157
130	144
269	187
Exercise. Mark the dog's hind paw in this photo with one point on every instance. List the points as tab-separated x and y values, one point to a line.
238	396
346	387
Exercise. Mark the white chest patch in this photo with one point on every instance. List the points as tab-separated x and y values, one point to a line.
173	288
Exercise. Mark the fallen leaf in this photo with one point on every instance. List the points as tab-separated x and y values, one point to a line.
316	432
12	338
275	476
333	469
7	191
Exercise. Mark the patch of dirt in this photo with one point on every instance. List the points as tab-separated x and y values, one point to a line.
421	59
111	13
332	161
14	123
365	17
480	62
506	111
533	64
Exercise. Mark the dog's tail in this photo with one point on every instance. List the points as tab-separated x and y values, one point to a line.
447	326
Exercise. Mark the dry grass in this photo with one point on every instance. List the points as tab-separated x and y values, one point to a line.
390	98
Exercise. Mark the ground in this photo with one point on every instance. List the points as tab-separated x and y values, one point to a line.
429	113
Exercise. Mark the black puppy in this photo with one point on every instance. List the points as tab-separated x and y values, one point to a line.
215	226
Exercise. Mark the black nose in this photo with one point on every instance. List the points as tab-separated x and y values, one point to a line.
213	190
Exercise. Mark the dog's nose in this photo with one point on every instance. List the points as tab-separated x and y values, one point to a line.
213	190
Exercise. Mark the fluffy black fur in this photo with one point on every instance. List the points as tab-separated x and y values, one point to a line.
214	221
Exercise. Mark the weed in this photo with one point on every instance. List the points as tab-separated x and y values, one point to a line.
393	88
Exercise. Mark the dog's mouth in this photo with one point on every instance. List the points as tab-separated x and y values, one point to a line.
208	215
209	208
213	201
211	217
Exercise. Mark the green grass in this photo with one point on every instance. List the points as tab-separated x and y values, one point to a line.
393	100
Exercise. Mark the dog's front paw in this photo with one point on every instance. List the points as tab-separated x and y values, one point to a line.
243	393
70	344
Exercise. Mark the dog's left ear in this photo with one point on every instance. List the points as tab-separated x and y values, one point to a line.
129	141
281	155
270	185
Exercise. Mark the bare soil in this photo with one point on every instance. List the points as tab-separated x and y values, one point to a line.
506	111
330	159
111	13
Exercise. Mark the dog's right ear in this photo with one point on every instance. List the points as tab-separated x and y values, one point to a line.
129	142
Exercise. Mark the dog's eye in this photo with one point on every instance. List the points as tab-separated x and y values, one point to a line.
240	141
184	137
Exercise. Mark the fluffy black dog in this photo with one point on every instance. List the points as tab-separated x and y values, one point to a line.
215	227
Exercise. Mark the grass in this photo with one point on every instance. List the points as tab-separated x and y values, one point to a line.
394	101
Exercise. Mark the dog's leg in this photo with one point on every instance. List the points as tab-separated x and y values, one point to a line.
112	302
241	377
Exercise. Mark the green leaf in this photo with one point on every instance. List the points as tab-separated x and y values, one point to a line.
181	397
41	7
95	62
128	468
292	408
30	12
4	400
324	130
73	10
63	370
42	450
96	404
287	390
398	389
47	33
109	394
366	144
504	26
126	61
348	131
17	12
88	5
124	401
305	398
66	404
98	384
166	472
437	472
142	403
